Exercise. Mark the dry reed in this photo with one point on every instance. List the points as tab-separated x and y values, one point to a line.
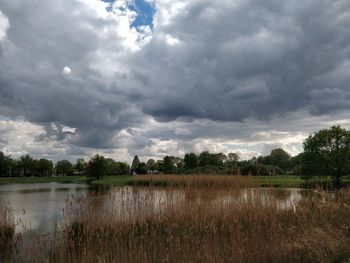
200	225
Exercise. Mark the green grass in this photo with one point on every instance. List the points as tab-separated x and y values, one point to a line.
120	180
35	180
107	180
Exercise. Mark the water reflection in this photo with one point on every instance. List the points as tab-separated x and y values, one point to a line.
38	206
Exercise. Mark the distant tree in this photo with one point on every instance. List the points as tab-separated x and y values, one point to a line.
219	159
327	152
5	165
97	167
296	164
135	164
178	162
64	167
280	158
110	166
26	163
80	166
212	159
44	167
190	161
160	165
142	168
121	168
232	157
168	164
232	163
151	164
204	158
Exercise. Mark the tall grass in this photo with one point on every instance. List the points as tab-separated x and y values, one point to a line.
7	232
199	225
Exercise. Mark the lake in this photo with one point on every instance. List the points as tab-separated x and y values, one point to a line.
39	207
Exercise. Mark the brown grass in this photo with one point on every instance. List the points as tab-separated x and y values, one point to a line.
200	225
194	181
7	231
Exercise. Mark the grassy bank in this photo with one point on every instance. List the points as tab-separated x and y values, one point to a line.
120	180
185	180
282	181
35	180
107	180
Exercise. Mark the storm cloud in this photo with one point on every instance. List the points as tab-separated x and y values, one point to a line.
219	75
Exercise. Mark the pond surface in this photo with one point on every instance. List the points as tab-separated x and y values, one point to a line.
39	207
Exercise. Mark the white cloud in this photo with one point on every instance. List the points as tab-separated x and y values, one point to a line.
4	25
66	70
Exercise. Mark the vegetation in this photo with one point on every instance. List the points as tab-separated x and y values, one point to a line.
7	232
222	181
245	228
98	167
326	153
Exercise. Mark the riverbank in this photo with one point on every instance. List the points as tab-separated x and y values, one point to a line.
281	181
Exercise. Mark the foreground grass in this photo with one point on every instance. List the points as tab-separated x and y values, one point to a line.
130	227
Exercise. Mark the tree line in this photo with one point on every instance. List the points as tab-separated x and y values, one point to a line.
326	152
26	166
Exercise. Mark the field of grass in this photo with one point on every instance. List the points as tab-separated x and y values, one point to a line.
147	227
120	180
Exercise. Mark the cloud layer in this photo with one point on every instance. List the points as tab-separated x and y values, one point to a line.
220	75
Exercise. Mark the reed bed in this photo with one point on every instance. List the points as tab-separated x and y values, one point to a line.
7	232
193	181
135	224
229	181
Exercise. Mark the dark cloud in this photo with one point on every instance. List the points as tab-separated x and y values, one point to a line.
212	69
244	59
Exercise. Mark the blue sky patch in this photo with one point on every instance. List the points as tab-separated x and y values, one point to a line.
144	10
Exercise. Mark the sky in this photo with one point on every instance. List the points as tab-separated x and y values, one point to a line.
167	77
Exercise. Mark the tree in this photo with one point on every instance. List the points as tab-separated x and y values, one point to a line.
280	158
80	166
327	152
5	165
64	167
142	168
232	157
26	163
168	164
120	168
151	164
231	163
44	167
98	167
204	158
135	164
190	161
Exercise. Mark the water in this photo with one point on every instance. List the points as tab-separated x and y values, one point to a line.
39	207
